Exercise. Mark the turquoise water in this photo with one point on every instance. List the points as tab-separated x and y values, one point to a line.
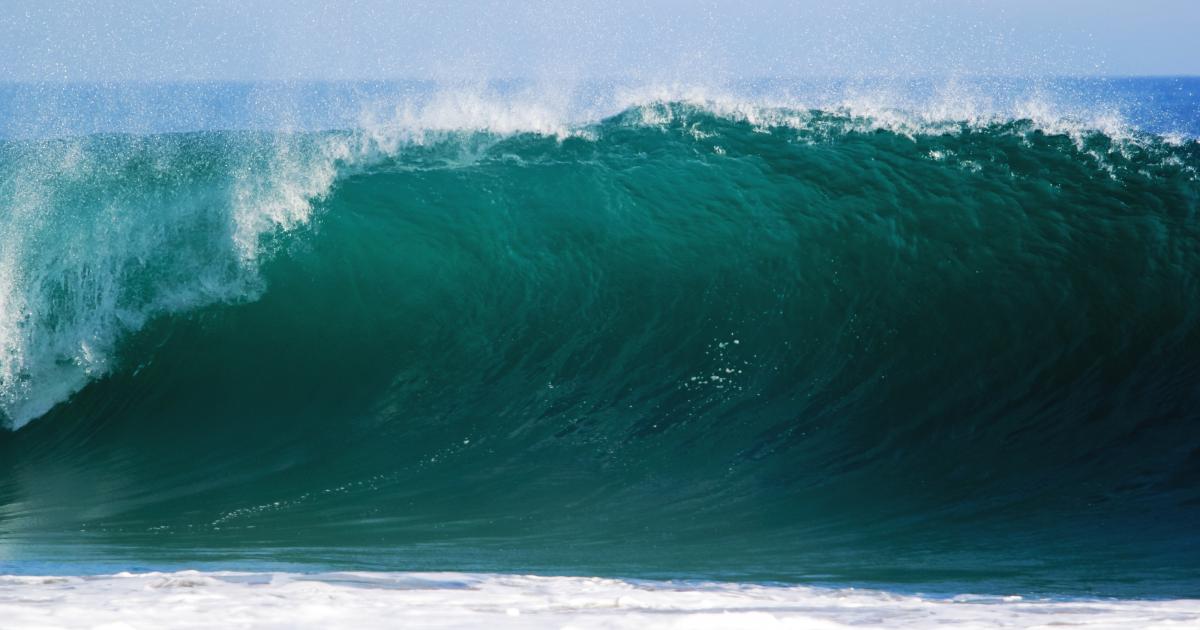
684	339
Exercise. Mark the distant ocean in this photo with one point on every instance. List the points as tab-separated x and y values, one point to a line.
851	353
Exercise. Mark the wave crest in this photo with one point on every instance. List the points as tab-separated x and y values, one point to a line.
104	233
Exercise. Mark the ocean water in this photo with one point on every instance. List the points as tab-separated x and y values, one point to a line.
793	353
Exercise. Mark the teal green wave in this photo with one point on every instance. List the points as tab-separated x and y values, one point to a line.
811	346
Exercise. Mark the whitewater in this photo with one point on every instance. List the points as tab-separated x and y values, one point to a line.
454	600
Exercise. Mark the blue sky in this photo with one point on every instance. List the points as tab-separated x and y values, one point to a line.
140	40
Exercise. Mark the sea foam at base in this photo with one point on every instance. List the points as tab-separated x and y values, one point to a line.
460	600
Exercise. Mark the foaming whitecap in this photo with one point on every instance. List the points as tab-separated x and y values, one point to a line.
466	600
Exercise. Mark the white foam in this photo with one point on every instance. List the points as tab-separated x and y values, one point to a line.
454	600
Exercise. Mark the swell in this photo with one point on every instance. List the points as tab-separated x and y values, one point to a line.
802	340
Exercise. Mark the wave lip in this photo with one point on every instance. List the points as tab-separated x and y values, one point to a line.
458	600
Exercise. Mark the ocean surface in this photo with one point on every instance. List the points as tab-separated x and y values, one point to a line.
818	352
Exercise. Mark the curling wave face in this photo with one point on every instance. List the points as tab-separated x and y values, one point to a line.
824	342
